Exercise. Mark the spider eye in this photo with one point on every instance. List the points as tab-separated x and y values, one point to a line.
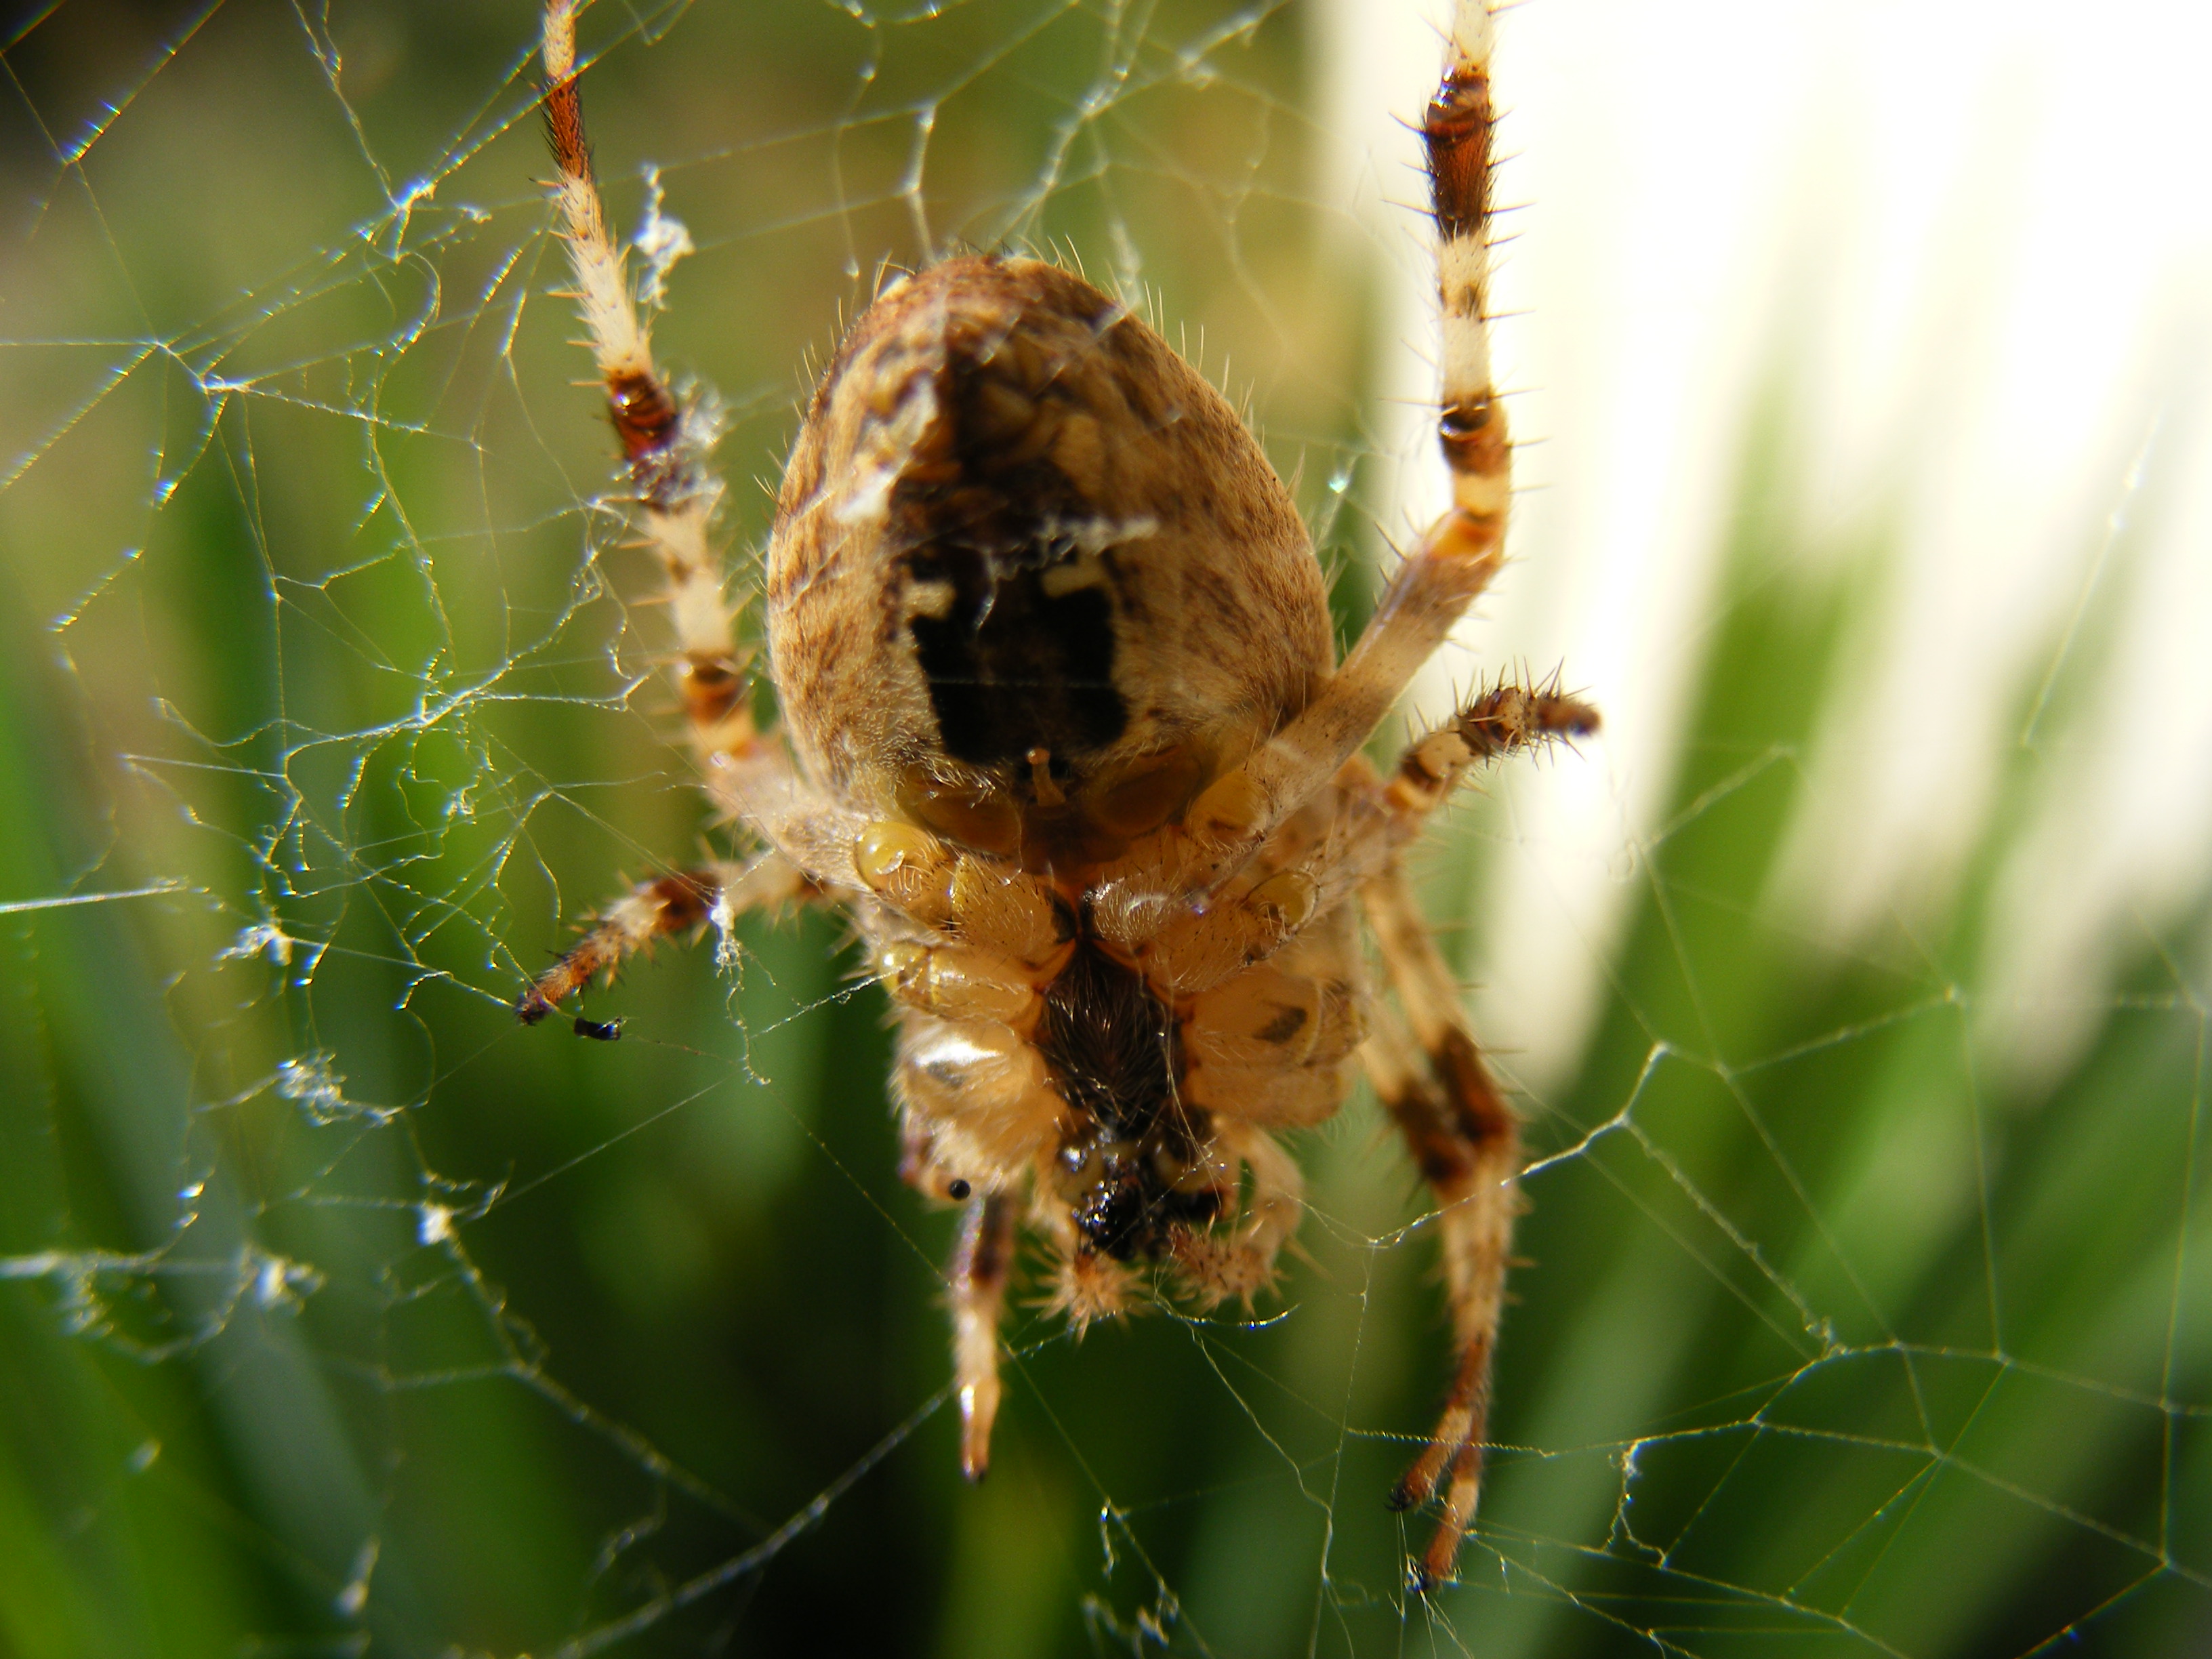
957	1189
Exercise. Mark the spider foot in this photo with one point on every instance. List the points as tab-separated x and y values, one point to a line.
591	957
1451	1463
668	904
1435	1566
1422	1576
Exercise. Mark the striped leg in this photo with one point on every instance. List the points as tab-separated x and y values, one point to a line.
1508	718
1463	549
679	902
1464	1137
665	442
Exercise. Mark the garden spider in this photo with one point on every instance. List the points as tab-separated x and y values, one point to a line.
1062	732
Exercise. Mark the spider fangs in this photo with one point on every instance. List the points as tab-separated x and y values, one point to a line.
1062	730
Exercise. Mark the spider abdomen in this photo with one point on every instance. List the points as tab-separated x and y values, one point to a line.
1032	583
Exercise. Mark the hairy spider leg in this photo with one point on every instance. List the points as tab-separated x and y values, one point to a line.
666	441
1466	1142
665	444
681	902
1371	822
1462	550
1507	718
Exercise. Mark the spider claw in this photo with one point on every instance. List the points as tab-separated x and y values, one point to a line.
1435	1568
1425	1577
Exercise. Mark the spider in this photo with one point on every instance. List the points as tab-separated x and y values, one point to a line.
1063	733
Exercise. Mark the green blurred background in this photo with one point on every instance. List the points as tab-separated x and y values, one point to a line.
342	1315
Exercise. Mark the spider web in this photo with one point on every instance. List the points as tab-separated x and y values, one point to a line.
1855	984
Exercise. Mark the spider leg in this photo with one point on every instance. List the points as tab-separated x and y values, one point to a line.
1314	858
1462	550
980	1265
1465	1139
666	439
1510	718
673	903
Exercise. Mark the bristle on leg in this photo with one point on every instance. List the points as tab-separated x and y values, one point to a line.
1507	718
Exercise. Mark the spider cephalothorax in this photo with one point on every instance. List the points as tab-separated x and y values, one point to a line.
1064	734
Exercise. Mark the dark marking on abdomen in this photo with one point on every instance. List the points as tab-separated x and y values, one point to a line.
986	517
1013	668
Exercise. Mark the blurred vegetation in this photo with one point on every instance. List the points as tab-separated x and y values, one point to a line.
345	1316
